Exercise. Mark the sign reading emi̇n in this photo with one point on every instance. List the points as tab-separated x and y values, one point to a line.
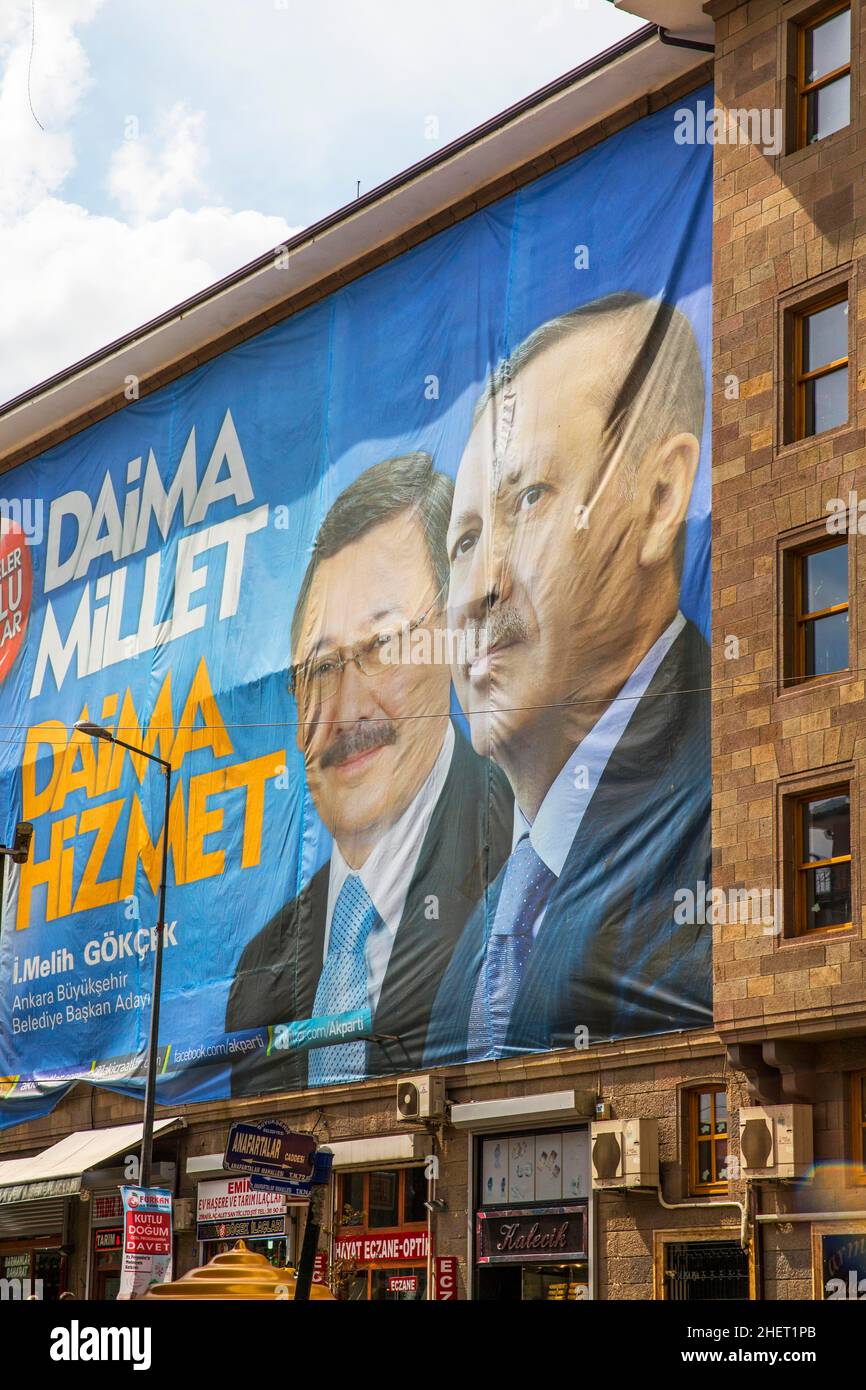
270	1149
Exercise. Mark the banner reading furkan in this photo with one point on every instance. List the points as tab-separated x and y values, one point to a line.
412	590
147	1240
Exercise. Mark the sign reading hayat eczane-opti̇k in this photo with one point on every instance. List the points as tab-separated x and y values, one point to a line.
412	591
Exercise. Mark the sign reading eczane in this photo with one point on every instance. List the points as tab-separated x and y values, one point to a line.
393	752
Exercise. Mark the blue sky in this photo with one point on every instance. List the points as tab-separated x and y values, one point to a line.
183	137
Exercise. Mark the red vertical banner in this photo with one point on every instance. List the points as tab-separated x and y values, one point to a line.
446	1277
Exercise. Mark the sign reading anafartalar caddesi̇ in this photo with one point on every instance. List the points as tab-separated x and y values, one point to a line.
271	1149
365	1247
231	1209
146	1240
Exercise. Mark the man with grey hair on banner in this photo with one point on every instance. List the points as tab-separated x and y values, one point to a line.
566	547
418	820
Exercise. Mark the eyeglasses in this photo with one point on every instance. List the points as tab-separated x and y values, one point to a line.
317	679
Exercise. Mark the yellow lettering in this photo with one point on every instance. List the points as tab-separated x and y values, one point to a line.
253	775
55	872
212	734
202	823
92	892
139	846
53	735
82	779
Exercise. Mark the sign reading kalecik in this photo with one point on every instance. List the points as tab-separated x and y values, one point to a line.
521	1235
270	1149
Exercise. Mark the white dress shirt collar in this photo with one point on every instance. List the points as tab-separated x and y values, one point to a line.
390	867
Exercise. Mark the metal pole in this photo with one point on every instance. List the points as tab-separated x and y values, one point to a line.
306	1263
153	1046
310	1245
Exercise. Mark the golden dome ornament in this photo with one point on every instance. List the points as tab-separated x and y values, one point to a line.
237	1274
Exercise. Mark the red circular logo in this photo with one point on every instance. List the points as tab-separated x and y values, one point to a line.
16	592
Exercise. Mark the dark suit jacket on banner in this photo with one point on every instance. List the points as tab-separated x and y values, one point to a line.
467	842
608	955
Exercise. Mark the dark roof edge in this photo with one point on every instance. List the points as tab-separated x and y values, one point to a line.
479	132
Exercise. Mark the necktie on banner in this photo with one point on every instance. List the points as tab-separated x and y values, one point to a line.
525	888
343	984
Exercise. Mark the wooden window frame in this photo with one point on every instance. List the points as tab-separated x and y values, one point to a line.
801	619
402	1222
696	1187
801	867
804	88
858	1127
801	378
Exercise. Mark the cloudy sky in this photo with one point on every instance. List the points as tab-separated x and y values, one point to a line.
147	147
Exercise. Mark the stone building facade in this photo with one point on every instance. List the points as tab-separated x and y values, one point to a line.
789	998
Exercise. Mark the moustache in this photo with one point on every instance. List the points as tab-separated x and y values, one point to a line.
503	626
361	738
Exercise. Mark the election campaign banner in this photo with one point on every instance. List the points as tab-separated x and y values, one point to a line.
412	591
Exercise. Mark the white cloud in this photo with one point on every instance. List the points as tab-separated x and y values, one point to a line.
35	161
74	282
148	176
71	281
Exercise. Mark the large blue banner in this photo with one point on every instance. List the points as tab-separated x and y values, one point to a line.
412	592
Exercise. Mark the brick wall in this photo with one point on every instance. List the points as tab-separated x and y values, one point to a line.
784	225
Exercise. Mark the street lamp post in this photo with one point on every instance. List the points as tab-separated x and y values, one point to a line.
97	731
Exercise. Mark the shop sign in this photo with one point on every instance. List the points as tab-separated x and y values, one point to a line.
844	1266
110	1239
403	1283
446	1278
146	1240
272	1150
521	1236
231	1209
371	1247
320	1267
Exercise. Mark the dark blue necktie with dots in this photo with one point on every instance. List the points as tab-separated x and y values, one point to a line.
342	985
525	888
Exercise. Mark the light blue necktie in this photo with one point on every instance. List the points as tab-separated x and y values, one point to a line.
342	984
525	886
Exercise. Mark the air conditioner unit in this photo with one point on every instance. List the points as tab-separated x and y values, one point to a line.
420	1098
775	1141
625	1153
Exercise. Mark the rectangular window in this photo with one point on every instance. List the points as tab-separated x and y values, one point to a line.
822	860
705	1271
824	75
382	1198
708	1139
820	610
820	367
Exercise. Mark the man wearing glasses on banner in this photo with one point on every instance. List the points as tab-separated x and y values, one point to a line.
420	823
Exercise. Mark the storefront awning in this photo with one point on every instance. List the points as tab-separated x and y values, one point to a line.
59	1171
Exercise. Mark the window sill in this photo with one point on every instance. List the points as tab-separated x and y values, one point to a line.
792	448
806	685
789	162
820	934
